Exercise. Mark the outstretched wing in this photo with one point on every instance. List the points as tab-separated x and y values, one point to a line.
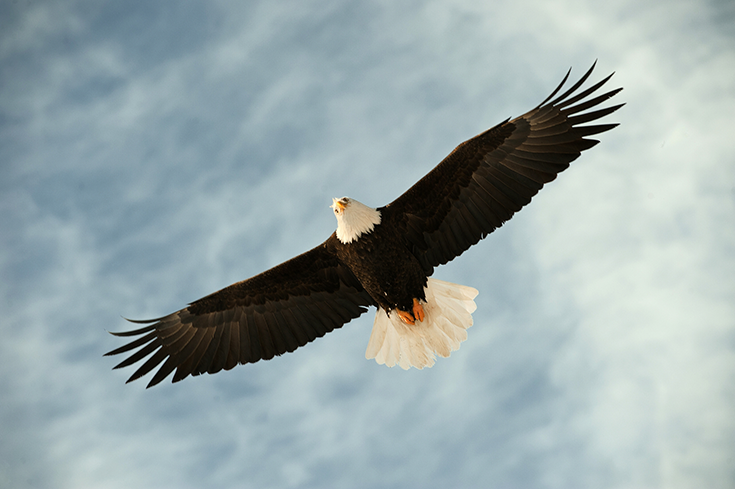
269	314
488	178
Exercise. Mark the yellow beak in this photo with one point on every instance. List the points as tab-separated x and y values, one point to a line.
337	204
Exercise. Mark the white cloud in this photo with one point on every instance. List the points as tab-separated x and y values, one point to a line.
143	173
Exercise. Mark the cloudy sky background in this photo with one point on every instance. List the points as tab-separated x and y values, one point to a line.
154	152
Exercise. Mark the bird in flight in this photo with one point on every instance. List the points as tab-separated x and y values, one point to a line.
382	257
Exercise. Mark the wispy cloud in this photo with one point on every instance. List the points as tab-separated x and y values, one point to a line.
155	153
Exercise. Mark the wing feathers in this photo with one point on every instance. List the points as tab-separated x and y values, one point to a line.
221	349
139	355
581	95
559	100
556	90
271	314
149	365
135	332
191	361
132	345
488	178
265	340
208	356
233	355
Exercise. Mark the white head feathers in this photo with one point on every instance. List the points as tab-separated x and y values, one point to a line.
353	219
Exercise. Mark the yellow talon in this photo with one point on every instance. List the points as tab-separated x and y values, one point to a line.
418	310
418	313
405	317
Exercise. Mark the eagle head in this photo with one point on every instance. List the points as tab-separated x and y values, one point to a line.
339	205
353	218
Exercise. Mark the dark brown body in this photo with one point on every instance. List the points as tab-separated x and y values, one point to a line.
385	267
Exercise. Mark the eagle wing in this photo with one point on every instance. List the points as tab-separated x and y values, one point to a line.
269	314
488	178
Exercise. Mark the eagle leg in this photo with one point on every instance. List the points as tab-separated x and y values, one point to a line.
418	313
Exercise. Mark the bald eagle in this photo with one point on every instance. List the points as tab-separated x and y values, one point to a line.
382	257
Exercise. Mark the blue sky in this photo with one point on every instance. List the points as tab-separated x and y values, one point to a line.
154	152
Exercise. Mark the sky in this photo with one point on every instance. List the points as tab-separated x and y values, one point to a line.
154	152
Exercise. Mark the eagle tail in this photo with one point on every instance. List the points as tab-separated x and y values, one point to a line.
448	310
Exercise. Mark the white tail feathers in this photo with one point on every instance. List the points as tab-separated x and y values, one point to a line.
448	310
